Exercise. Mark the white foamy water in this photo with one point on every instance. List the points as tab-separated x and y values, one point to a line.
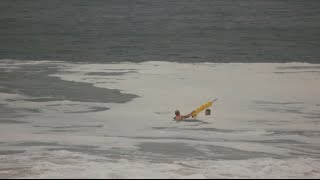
265	123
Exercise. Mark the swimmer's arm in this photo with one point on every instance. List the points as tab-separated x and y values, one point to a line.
188	115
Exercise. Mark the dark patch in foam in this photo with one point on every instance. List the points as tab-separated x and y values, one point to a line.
11	100
92	109
97	78
219	152
36	144
299	67
54	105
306	133
109	73
9	152
9	121
160	128
75	126
310	146
159	138
277	103
275	141
213	130
34	81
105	82
296	72
199	129
32	110
183	150
312	115
63	130
40	99
9	113
121	70
302	149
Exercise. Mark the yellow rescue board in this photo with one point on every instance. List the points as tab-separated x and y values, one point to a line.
201	108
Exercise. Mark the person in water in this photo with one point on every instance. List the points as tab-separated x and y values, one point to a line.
180	117
208	112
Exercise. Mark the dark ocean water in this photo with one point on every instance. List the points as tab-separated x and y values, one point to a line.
166	30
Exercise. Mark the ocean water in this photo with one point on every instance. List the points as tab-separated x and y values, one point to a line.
88	89
179	31
82	120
